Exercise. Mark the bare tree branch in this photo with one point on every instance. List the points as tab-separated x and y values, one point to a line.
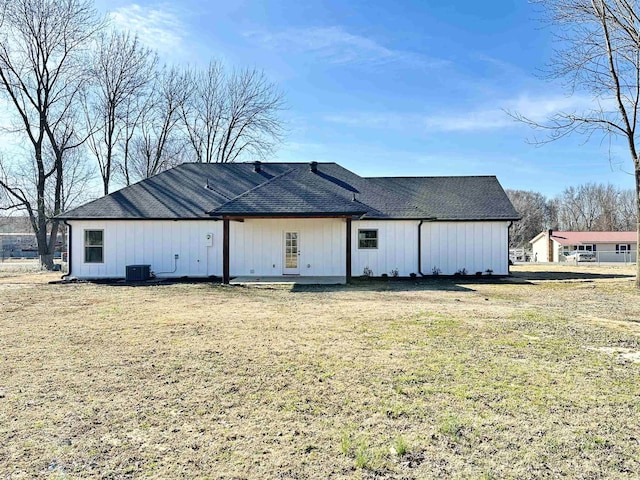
157	143
230	117
598	53
44	47
123	69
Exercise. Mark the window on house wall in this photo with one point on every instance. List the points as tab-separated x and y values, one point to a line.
367	238
621	248
94	246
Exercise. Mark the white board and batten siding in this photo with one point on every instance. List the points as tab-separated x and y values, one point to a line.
473	246
198	245
257	246
397	248
447	246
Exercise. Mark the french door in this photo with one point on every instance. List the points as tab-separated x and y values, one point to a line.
291	264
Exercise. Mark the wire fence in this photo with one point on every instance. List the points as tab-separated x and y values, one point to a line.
600	256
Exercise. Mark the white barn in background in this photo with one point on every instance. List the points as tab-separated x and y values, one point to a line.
291	219
554	246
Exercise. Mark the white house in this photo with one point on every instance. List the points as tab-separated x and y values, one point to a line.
282	219
550	246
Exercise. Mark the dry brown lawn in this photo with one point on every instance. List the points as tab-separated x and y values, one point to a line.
528	377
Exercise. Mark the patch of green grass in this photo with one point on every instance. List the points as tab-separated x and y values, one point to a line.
363	457
345	444
452	427
400	446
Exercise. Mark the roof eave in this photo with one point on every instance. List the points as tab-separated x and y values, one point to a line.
221	215
65	218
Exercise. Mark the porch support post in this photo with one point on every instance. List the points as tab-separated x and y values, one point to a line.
348	262
225	251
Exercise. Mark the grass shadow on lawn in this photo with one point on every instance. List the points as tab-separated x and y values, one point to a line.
554	275
389	285
120	282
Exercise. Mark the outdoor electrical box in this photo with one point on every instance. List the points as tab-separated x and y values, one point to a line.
208	240
137	273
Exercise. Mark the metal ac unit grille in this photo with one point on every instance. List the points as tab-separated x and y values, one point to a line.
137	273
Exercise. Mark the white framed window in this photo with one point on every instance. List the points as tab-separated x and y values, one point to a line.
94	246
622	248
367	238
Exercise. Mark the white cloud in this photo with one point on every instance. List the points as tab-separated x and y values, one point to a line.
542	107
474	119
468	121
336	46
159	27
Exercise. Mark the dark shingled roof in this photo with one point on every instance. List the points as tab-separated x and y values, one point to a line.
453	198
197	190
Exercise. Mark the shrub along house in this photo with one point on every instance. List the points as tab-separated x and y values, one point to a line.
280	219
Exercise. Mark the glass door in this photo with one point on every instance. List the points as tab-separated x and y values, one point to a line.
291	253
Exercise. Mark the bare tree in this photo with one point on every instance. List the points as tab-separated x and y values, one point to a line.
596	207
134	110
78	176
579	208
234	116
203	114
43	69
607	197
627	216
157	142
123	70
598	53
535	211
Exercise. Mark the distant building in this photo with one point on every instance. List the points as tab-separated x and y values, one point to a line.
17	239
550	246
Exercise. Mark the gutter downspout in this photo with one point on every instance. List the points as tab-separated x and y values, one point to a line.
420	248
508	243
69	256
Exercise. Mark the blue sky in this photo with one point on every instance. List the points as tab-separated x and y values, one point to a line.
394	87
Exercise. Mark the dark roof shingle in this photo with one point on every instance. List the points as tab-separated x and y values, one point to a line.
196	190
453	198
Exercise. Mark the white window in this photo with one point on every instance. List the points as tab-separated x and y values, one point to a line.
94	246
368	238
623	248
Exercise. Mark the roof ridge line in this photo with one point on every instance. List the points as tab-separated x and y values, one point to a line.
287	172
431	176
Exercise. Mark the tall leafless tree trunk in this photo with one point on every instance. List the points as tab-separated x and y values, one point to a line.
599	53
43	68
122	71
